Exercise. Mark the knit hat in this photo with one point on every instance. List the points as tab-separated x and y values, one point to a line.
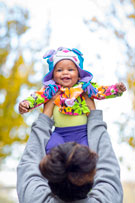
53	57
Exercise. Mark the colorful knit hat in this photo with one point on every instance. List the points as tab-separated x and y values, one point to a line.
53	57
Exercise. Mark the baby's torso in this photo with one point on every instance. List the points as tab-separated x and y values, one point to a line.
64	120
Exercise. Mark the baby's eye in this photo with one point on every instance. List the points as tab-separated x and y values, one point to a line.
71	69
59	70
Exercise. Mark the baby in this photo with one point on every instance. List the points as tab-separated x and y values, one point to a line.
70	112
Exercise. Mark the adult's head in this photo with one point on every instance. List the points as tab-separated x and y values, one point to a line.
69	169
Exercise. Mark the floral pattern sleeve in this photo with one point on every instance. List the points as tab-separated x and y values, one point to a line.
105	92
42	96
36	98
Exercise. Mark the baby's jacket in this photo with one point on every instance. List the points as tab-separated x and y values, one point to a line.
71	101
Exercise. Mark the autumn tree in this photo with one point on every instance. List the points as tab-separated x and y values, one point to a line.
131	85
119	21
14	74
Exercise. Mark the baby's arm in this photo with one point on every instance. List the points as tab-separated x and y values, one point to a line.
106	92
39	97
35	99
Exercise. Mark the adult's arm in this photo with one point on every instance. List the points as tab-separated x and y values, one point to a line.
107	185
32	187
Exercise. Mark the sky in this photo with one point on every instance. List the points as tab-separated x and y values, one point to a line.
104	56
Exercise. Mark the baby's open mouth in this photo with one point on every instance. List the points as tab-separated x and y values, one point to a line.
65	78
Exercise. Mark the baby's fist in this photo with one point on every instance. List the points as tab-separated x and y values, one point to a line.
23	107
121	87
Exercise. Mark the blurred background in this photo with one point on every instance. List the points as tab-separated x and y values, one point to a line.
104	31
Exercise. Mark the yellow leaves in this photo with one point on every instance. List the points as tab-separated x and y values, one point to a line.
133	2
94	19
132	16
131	84
25	28
131	142
119	34
11	22
12	123
15	24
13	74
3	55
133	102
131	79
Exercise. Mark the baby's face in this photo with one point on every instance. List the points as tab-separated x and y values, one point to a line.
66	73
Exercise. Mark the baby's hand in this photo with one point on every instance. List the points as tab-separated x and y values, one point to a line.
121	87
23	107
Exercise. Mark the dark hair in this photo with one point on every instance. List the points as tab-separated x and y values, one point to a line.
69	169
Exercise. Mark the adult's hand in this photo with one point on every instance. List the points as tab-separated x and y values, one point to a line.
48	107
